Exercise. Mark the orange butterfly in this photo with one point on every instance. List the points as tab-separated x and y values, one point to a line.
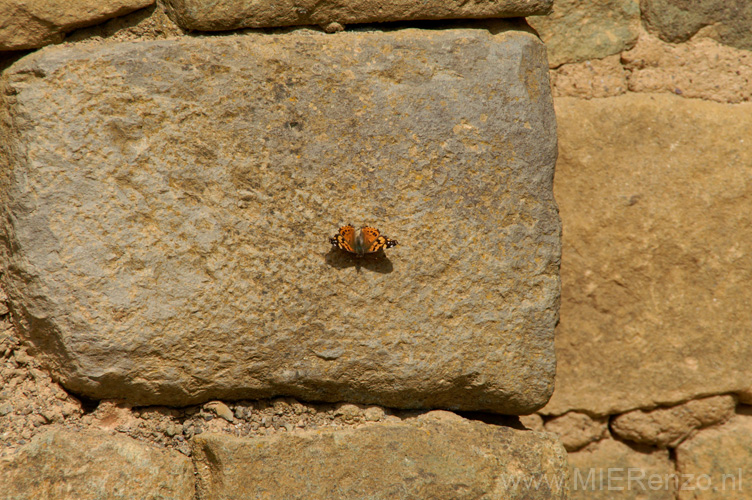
367	240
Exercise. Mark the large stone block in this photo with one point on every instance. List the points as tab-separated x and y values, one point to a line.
85	465
610	469
438	455
670	426
656	270
728	21
579	30
234	14
27	24
717	462
167	207
700	68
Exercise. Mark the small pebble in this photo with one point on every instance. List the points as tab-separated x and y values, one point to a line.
374	414
220	409
348	411
333	27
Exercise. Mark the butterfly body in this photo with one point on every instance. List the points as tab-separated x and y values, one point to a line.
363	241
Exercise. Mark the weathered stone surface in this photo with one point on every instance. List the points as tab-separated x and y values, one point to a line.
610	469
655	272
578	429
701	68
728	21
593	29
168	204
534	422
719	460
234	14
150	23
670	426
61	464
597	78
28	24
437	455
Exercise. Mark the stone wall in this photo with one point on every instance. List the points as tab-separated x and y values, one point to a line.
173	308
179	324
654	185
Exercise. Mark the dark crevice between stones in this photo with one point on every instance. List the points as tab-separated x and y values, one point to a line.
7	58
493	26
88	405
512	421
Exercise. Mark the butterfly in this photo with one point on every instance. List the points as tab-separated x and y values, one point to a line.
367	240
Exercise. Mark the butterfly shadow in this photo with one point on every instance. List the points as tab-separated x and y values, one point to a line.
376	262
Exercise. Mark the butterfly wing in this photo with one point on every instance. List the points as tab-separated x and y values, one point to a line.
344	239
373	241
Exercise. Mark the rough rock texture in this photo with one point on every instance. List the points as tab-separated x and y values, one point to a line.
534	422
655	279
151	23
700	68
234	14
578	429
610	469
93	465
670	426
719	460
168	205
31	404
27	24
597	78
30	401
728	21
578	30
437	455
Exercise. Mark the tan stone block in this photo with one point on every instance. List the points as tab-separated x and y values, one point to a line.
234	14
609	469
171	203
28	24
579	30
597	78
62	464
578	429
701	68
437	455
670	426
716	463
654	193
